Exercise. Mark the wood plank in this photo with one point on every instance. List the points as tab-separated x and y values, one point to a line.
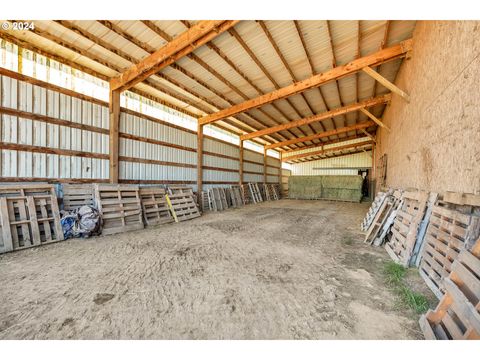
375	119
319	117
392	87
182	45
342	130
114	112
338	72
324	151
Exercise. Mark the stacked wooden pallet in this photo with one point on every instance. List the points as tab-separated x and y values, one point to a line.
120	207
406	225
247	199
29	216
451	229
266	192
78	195
457	316
155	208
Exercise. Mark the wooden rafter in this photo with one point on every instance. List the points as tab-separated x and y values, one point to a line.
324	151
312	71
334	65
286	65
264	70
179	47
208	68
369	135
319	117
149	49
392	87
379	57
345	129
382	46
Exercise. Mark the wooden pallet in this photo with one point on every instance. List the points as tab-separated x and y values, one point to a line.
447	234
457	316
205	203
29	216
246	194
215	202
77	195
266	191
155	209
231	200
386	227
383	219
255	194
236	193
120	207
182	206
405	226
372	211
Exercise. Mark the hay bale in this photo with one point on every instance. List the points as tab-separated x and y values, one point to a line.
329	187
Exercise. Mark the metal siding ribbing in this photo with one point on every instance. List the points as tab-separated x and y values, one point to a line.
23	96
253	156
348	161
272	179
214	175
220	148
273	162
215	161
137	171
252	167
252	178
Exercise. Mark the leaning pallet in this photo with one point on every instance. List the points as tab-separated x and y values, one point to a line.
457	316
182	206
255	193
448	233
246	195
405	226
386	227
372	211
120	207
29	216
382	220
78	195
237	194
266	192
154	206
274	192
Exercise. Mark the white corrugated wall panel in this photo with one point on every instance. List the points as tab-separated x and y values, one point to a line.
272	179
26	97
214	175
215	161
273	162
252	178
219	147
252	167
252	156
348	161
138	171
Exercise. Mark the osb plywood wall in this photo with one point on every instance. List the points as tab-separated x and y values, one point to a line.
435	139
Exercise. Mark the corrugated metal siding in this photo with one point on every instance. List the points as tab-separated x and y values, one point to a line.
354	160
252	178
20	95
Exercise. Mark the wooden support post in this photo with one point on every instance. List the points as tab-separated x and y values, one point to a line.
392	87
199	162
240	165
114	111
264	165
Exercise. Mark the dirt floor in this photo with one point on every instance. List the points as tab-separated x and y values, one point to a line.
279	270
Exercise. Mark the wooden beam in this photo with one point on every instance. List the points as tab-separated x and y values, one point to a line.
114	111
240	165
392	87
320	117
377	58
375	119
363	125
334	141
369	135
323	151
199	163
329	156
184	44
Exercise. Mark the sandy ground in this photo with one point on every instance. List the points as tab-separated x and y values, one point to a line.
279	270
